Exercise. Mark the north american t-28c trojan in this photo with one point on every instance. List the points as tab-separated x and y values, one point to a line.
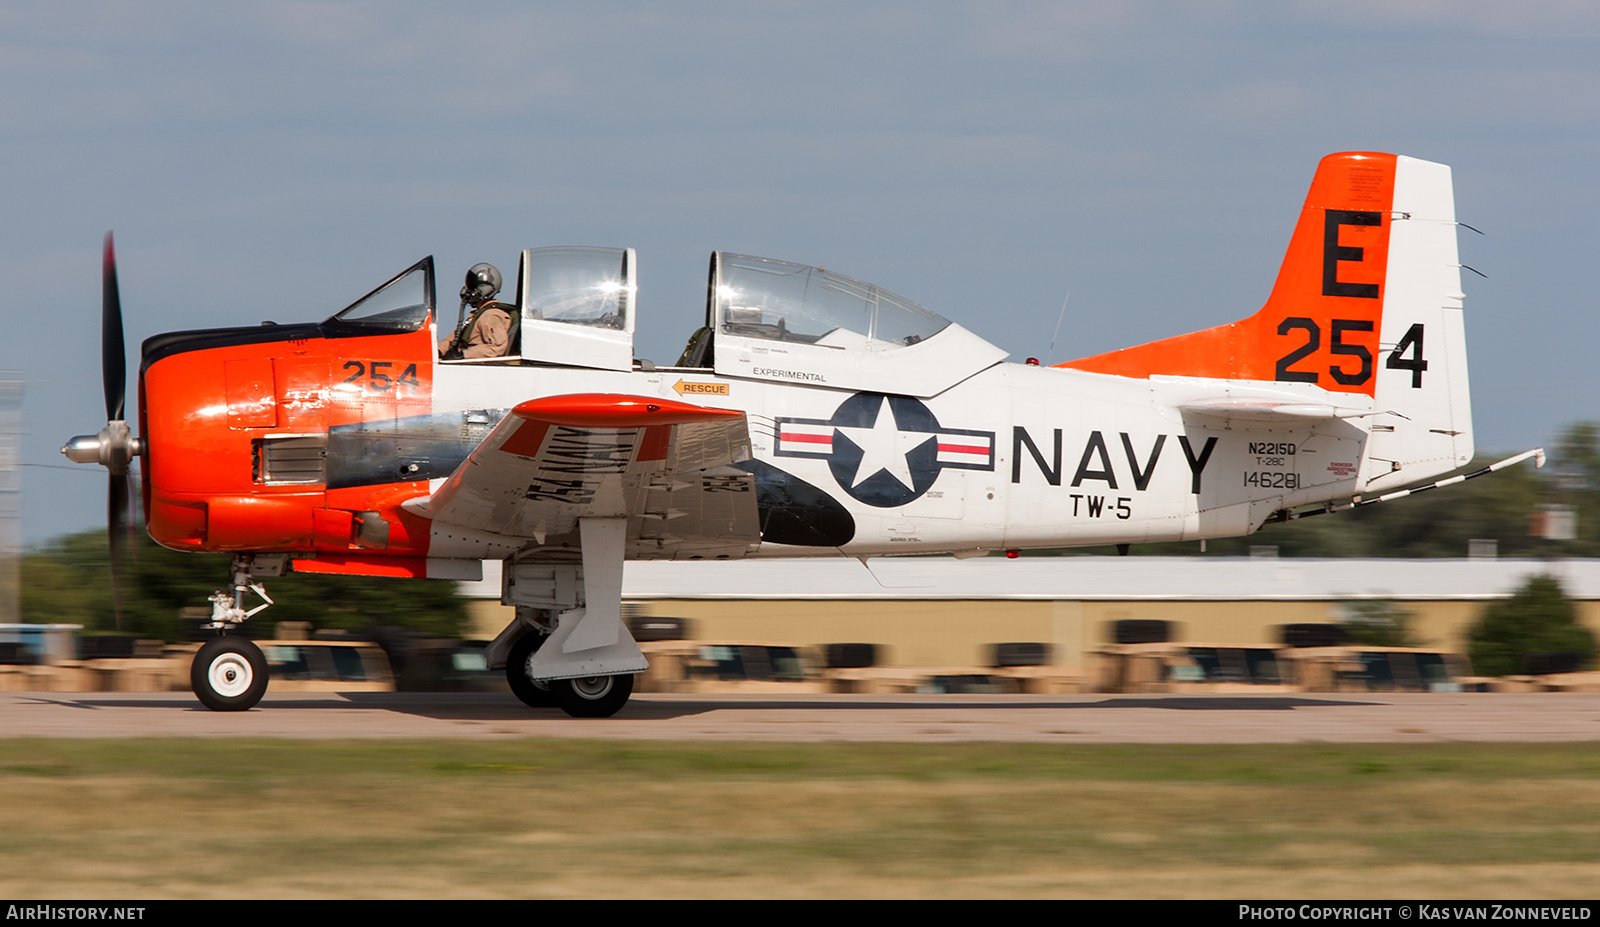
811	415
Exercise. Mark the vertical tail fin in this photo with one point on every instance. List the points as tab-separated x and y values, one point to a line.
1367	303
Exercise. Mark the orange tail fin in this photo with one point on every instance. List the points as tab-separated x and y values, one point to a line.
1322	322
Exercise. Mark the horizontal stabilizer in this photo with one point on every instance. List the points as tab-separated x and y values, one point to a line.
1267	411
1247	401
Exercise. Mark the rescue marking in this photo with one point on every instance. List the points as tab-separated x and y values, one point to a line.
701	389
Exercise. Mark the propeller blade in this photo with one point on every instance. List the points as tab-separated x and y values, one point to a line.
113	363
116	533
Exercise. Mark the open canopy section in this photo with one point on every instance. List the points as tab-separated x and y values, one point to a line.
578	306
775	320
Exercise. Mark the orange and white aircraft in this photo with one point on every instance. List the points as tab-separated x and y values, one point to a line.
812	415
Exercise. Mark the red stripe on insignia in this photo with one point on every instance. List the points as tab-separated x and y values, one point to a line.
803	438
979	449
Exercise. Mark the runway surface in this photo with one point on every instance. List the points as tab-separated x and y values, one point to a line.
1241	719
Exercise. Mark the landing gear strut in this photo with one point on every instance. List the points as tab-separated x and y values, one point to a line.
230	673
568	645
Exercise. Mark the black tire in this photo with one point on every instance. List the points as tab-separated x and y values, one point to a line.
533	693
593	696
229	674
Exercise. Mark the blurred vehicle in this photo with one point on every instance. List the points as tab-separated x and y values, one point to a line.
1185	666
1362	668
327	666
730	667
1014	668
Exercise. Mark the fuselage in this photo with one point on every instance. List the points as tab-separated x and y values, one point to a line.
295	439
871	425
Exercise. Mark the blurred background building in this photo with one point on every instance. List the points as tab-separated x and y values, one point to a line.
939	611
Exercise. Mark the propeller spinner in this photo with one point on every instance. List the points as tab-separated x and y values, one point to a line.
114	446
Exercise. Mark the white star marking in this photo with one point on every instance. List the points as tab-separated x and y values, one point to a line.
884	447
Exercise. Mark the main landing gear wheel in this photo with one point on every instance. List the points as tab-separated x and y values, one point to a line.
229	674
535	693
593	696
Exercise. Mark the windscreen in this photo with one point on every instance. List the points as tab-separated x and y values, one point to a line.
403	304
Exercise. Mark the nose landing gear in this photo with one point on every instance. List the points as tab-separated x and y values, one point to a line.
230	673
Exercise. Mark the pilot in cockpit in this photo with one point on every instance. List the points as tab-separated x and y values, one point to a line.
487	331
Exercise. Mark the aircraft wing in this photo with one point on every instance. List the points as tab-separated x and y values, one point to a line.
665	465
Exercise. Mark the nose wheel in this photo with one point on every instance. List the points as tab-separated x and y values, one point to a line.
229	674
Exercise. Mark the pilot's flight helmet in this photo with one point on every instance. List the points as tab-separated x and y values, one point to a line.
483	282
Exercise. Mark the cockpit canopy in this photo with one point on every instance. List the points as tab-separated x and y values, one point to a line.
790	323
577	306
574	308
778	301
765	320
577	286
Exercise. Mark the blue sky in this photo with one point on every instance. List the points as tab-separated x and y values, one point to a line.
276	160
